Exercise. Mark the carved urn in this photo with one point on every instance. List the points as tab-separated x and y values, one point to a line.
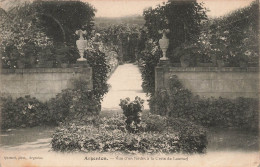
81	44
164	43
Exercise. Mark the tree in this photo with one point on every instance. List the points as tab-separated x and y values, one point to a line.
123	38
235	36
183	19
42	27
61	19
19	34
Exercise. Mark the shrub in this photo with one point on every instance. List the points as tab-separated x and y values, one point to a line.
192	137
97	60
23	112
111	61
112	123
132	110
79	102
103	137
65	53
150	58
154	123
179	102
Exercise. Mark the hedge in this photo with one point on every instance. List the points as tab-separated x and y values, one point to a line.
24	112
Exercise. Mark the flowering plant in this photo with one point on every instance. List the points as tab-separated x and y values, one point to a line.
132	110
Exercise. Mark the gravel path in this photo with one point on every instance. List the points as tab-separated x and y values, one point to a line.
125	82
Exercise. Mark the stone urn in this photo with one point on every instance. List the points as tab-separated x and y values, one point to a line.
81	44
164	43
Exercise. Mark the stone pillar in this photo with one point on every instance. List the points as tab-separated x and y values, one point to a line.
163	64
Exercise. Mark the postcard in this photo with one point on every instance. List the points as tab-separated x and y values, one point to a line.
129	83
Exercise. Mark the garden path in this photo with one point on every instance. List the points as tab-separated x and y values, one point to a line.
125	82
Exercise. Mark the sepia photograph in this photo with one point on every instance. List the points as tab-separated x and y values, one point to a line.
129	83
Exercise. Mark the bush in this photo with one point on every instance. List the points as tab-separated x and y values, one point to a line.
110	136
111	61
179	102
79	103
150	58
132	110
192	137
154	123
23	112
97	60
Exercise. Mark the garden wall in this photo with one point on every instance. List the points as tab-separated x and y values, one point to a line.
42	83
228	82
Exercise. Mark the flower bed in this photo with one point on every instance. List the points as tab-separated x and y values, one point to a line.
110	135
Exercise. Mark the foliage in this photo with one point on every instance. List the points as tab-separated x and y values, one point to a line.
124	39
110	136
149	59
21	39
187	131
155	123
132	110
111	56
61	19
183	19
234	37
111	61
116	122
23	112
179	102
65	54
97	60
76	103
35	32
189	52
